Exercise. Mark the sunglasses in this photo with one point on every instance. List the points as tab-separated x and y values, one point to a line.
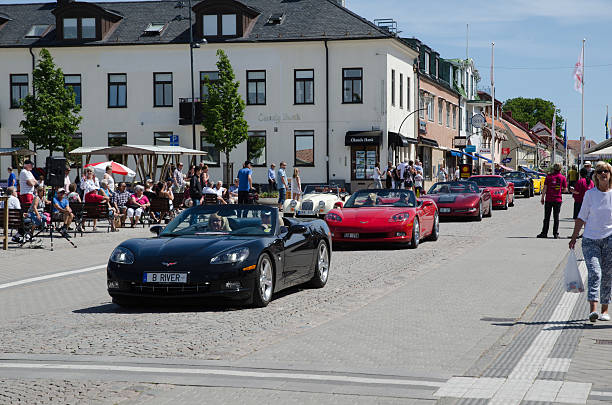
602	171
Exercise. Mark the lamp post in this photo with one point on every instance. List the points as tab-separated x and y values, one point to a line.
399	130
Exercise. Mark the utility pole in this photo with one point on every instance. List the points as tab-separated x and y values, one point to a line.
492	108
193	123
582	124
553	136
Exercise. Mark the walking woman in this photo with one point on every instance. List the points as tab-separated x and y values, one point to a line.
389	175
579	188
377	175
596	217
296	185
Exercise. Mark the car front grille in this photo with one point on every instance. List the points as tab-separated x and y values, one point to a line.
169	289
307	205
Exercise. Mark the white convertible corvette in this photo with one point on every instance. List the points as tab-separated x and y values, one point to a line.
316	201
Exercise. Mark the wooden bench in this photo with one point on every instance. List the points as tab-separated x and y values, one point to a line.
15	220
89	211
159	205
178	200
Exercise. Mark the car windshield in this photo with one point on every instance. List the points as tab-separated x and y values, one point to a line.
454	187
322	189
488	181
381	198
514	176
223	220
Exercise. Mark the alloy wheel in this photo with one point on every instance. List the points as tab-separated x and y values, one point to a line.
265	279
323	263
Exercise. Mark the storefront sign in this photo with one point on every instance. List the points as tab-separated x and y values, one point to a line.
363	138
279	117
465	170
460	141
470	148
485	150
478	121
505	151
422	127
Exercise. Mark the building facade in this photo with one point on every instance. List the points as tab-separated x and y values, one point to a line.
325	93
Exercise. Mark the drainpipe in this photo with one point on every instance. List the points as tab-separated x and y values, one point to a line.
326	111
34	94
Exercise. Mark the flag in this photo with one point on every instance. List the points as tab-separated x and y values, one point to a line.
579	73
607	129
565	136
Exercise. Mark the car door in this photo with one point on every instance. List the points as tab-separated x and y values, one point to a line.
298	255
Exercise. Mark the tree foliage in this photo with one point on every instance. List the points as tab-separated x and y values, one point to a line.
51	114
532	110
224	110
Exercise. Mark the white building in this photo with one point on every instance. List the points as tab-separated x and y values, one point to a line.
323	89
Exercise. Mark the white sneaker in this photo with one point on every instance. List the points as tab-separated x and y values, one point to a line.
604	317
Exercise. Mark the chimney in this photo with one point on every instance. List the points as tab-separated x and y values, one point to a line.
340	2
61	3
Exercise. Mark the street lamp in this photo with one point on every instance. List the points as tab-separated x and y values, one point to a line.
399	130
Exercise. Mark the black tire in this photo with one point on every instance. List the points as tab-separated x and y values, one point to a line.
478	218
435	232
505	207
416	234
490	212
263	287
321	273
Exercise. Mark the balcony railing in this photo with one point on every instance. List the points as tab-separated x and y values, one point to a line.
185	111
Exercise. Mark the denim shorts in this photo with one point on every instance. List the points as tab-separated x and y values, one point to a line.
282	195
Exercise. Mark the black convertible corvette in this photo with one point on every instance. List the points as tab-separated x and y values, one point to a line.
238	252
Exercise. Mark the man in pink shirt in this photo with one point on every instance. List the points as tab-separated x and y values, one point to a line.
554	185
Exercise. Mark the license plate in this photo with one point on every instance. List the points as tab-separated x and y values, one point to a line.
305	212
165	277
351	235
445	210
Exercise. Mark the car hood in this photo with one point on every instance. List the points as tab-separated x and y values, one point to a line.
183	249
371	213
453	198
518	182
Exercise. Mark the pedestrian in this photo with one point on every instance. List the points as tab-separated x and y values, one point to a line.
204	177
296	184
401	169
409	173
441	174
108	176
457	178
377	176
596	217
581	186
589	168
418	166
12	178
418	184
27	182
281	179
67	181
245	182
389	175
271	178
178	179
572	177
396	177
554	185
195	186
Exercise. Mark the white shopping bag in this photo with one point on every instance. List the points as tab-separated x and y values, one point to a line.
573	280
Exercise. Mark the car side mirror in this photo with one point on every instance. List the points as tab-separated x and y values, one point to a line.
283	229
156	229
298	228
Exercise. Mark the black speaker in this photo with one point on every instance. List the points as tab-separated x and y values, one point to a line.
54	168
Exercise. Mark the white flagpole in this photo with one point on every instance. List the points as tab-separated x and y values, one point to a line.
553	136
582	125
492	108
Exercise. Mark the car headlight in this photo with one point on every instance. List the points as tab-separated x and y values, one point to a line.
293	204
333	217
403	216
231	256
321	204
122	255
499	192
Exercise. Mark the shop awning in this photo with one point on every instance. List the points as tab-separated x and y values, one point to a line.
16	152
400	140
458	153
428	142
482	157
509	169
363	138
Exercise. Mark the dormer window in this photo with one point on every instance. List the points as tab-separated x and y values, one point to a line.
219	25
210	25
79	28
83	21
217	20
228	25
71	30
88	28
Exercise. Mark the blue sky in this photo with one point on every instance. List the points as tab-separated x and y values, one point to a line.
537	44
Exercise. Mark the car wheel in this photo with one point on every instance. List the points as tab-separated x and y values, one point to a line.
416	234
511	203
505	207
490	211
319	279
435	230
264	282
479	216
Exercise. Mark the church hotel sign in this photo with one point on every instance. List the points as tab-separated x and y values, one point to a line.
363	138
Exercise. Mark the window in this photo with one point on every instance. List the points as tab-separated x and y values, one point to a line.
210	25
37	31
162	89
213	76
256	87
468	127
228	24
437	68
304	86
440	106
117	139
214	156
427	62
421	106
352	86
304	148
460	119
161	138
454	117
18	141
430	112
363	161
19	89
88	28
448	108
74	82
408	93
71	28
76	141
117	90
154	28
401	91
256	148
392	87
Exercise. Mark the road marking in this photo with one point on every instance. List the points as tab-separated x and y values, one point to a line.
223	372
50	276
522	383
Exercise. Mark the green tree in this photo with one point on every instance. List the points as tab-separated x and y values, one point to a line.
51	114
224	111
532	110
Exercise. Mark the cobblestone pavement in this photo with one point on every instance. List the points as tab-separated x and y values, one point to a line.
54	319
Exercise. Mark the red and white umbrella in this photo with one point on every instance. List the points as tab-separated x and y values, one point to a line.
118	168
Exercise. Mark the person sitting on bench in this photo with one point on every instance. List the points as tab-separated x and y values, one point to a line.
62	211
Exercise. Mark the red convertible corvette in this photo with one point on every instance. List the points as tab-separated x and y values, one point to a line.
461	199
502	192
384	215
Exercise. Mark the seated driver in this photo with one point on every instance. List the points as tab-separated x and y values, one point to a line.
266	221
217	223
371	200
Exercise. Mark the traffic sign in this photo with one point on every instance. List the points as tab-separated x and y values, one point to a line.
505	151
507	160
478	120
470	148
174	140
